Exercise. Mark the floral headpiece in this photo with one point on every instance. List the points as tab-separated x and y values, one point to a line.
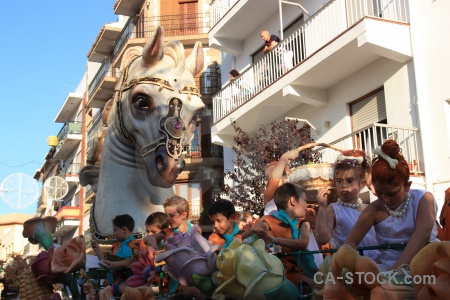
391	161
353	161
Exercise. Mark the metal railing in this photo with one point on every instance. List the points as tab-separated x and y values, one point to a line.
210	82
124	35
73	127
94	126
69	169
322	27
373	136
218	9
196	151
174	25
104	70
31	250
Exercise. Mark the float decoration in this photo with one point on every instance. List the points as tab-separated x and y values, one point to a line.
39	231
186	254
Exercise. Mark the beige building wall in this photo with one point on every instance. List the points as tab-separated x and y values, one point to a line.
11	240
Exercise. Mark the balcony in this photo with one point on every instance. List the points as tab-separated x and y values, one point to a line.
95	125
195	157
69	171
88	238
30	251
104	42
127	7
188	28
209	82
68	219
69	138
337	41
41	204
374	136
102	86
69	108
89	195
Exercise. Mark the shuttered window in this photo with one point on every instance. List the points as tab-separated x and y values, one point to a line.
368	110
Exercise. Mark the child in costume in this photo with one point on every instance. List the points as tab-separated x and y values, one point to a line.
400	215
335	222
283	229
177	211
126	247
276	171
223	216
156	222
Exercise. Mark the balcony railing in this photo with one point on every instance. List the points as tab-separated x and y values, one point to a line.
94	126
69	169
218	9
68	212
104	70
210	82
123	37
73	127
373	136
174	25
196	152
31	250
322	27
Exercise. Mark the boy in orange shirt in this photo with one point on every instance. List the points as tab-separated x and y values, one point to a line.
126	247
223	215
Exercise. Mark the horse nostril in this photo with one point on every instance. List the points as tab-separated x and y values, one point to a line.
160	162
180	165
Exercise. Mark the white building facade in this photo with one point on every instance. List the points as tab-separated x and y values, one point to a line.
359	71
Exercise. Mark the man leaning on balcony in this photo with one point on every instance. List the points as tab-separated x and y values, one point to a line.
270	41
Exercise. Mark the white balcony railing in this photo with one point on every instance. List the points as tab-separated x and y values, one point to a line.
218	8
372	136
322	27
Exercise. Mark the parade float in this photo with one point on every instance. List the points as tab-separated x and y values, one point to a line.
145	147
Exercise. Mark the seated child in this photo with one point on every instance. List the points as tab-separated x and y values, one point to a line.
177	212
156	222
400	215
126	247
223	215
283	229
335	221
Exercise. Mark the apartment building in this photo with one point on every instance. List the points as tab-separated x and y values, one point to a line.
81	111
11	239
359	71
62	196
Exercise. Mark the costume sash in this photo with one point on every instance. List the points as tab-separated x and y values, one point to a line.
283	216
187	231
230	236
124	250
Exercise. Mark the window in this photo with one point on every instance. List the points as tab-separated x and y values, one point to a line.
366	111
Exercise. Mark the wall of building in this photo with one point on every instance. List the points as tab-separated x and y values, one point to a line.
430	40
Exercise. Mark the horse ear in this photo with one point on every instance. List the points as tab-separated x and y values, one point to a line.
195	61
153	49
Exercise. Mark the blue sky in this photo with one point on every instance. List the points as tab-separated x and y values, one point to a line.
42	58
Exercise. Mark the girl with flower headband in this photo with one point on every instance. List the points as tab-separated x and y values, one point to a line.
397	211
334	222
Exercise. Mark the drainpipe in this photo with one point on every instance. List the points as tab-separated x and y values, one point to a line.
280	9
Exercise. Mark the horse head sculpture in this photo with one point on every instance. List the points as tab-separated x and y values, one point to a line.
155	111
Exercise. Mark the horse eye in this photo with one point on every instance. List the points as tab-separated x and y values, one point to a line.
142	102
